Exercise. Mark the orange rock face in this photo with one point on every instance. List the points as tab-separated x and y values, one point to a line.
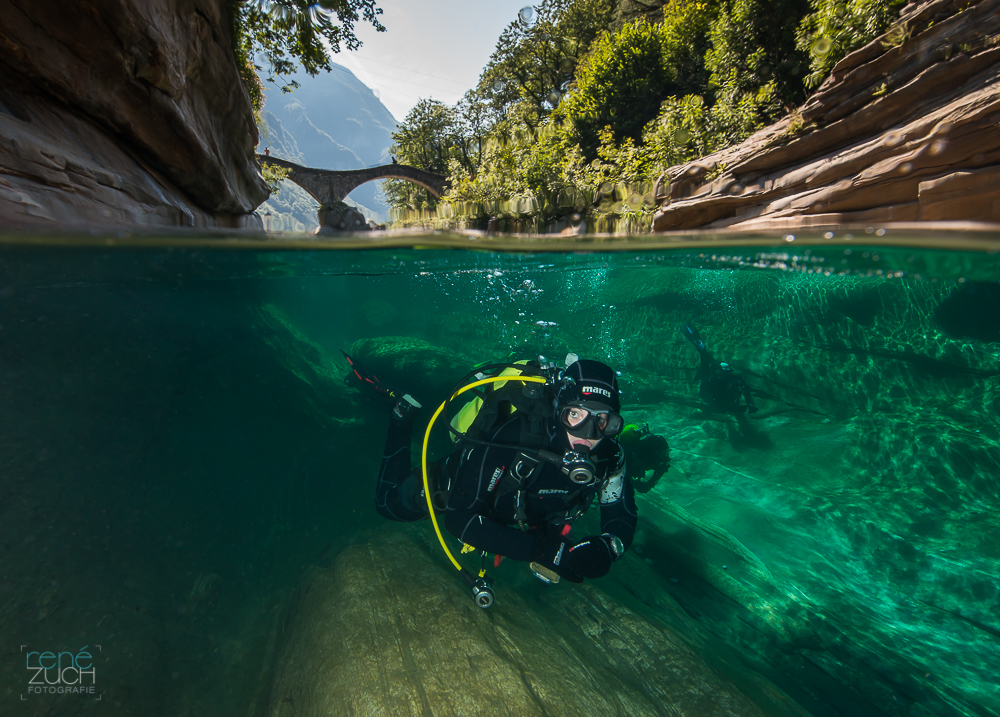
909	133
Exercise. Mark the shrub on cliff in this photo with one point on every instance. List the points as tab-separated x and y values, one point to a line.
754	63
836	28
625	76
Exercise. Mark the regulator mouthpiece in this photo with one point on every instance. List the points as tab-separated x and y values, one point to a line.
578	467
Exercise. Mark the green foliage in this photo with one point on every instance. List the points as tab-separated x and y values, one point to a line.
287	32
536	56
836	27
753	48
274	175
430	137
684	130
627	74
642	98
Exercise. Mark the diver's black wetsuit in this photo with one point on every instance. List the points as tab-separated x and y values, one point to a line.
399	493
478	516
721	387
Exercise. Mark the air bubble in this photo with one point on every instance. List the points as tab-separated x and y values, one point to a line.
526	14
938	146
822	47
892	138
789	237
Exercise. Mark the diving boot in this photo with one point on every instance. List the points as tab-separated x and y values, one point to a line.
405	409
691	333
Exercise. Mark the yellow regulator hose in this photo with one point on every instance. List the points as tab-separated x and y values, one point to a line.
427	437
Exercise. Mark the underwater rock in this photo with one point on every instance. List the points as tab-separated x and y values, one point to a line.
124	113
389	628
970	311
322	388
898	132
413	365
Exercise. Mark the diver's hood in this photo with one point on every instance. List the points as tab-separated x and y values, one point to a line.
592	381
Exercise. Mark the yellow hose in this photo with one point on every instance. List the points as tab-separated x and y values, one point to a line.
427	437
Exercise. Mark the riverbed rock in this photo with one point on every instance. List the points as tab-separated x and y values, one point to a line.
389	629
899	132
120	112
410	364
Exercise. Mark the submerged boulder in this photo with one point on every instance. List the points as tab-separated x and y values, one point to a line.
389	629
410	364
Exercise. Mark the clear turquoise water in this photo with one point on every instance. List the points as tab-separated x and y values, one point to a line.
179	447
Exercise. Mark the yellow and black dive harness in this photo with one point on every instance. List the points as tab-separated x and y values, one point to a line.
548	376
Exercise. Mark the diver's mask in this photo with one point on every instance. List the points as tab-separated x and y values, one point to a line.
590	420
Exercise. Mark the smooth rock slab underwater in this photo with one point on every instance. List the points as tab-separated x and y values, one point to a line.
387	629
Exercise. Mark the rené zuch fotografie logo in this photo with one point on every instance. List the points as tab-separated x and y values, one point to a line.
61	672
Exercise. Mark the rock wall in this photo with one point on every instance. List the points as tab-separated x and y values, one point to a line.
389	629
903	130
121	112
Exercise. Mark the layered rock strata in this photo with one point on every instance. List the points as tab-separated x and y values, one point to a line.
904	130
121	112
389	629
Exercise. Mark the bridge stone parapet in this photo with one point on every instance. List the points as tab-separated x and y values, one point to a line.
330	187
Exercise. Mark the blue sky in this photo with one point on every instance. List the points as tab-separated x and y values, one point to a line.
430	49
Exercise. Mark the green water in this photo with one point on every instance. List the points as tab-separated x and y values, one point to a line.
179	449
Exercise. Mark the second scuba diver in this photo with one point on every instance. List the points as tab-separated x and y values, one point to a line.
518	481
721	387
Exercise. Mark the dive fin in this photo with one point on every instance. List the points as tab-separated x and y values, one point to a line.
692	335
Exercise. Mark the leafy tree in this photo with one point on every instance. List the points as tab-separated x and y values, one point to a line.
836	27
627	74
536	56
285	32
429	136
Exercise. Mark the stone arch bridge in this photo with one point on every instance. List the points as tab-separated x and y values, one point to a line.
331	187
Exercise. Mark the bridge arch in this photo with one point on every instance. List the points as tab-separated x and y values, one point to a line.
329	186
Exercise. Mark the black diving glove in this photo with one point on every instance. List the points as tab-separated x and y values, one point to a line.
592	556
552	552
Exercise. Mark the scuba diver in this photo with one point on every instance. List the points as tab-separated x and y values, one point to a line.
644	452
721	387
541	446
